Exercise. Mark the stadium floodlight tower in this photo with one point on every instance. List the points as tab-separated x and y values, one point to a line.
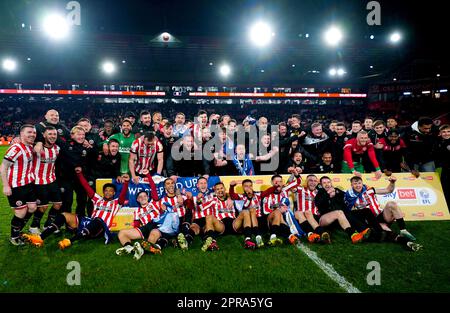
9	65
261	34
225	70
395	37
333	36
108	67
56	26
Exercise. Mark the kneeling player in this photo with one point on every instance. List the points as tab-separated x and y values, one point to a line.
105	208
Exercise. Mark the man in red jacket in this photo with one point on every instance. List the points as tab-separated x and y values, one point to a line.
355	150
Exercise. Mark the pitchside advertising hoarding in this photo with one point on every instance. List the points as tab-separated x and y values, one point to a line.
421	199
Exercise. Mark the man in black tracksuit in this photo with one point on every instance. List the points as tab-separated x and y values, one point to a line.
420	142
51	119
74	154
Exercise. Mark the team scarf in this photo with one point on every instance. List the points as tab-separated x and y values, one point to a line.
246	169
351	196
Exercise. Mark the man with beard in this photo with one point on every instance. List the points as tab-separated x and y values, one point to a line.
143	152
108	130
285	141
296	161
18	181
180	128
393	153
167	140
125	139
355	150
363	204
338	143
46	187
144	125
420	142
326	165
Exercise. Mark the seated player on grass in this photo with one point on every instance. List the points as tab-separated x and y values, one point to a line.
167	227
271	203
144	215
179	203
330	203
105	208
221	218
306	211
363	203
198	214
252	205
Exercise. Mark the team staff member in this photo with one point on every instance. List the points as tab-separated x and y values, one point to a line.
18	181
93	140
74	154
52	119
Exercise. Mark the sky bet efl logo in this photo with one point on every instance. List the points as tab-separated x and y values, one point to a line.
407	194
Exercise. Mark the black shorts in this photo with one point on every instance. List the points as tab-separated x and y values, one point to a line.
48	193
316	217
262	223
380	219
201	222
146	229
229	228
20	196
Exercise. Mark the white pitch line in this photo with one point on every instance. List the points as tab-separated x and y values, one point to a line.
328	269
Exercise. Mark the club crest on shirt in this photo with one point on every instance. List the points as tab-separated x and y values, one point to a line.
19	203
91	142
84	152
60	131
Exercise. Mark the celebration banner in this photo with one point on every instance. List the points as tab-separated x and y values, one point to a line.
421	199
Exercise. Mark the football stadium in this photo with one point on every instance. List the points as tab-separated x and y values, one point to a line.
203	148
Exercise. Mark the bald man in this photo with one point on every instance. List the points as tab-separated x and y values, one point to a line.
52	119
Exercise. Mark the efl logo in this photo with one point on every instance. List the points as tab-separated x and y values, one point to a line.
437	214
419	214
336	180
427	178
407	194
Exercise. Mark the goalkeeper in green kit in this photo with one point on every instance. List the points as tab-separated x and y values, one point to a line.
125	139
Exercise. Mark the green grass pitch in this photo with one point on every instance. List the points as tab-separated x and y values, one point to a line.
231	269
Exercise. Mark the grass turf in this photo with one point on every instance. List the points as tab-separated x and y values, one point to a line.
231	269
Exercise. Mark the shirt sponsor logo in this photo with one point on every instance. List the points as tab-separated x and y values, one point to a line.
407	194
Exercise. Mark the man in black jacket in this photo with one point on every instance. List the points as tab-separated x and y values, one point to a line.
51	119
330	203
420	142
73	154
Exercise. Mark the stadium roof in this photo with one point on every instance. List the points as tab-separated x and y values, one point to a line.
214	32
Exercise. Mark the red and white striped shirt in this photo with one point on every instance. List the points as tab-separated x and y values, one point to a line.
145	155
21	172
105	209
272	202
199	210
369	200
305	200
146	214
219	207
254	202
179	209
44	165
